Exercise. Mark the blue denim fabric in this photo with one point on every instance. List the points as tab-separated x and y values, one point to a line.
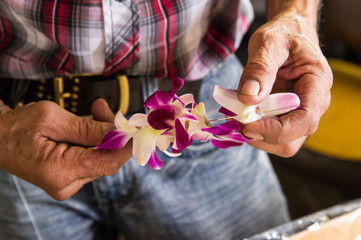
206	193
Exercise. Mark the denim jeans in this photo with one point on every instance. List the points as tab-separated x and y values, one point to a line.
206	193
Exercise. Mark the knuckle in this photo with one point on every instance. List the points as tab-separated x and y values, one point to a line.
97	167
312	128
45	108
288	151
264	35
261	62
59	195
86	128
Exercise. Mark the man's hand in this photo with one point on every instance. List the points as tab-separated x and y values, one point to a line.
284	56
54	149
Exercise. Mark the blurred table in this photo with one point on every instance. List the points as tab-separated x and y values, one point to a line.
341	222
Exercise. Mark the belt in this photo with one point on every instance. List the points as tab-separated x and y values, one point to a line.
76	92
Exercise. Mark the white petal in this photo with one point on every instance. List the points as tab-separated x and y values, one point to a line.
144	142
163	142
187	99
228	99
122	123
138	120
279	103
170	154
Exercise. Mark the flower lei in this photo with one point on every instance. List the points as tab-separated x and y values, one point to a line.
176	121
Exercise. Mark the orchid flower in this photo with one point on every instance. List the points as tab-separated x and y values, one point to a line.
275	104
172	113
178	120
222	136
166	121
145	139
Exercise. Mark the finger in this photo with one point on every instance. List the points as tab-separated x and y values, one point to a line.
282	150
266	56
68	191
67	127
287	128
101	112
90	163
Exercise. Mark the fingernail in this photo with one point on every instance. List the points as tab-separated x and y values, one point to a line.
250	88
107	128
254	135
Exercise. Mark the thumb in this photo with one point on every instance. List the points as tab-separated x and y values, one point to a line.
260	72
82	131
69	128
101	112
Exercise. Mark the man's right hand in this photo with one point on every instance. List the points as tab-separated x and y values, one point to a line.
54	149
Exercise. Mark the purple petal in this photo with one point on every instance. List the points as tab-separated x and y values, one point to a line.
175	150
223	129
236	136
224	143
189	116
180	100
177	83
154	162
159	119
227	112
181	136
157	99
114	139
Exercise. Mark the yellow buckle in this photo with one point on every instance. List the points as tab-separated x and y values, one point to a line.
60	95
124	94
59	92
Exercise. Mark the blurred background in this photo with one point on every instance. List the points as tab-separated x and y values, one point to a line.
327	170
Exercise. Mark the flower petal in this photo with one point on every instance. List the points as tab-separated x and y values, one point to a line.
188	116
177	84
194	129
138	120
161	118
279	103
144	142
182	139
224	143
226	112
224	128
163	142
188	99
122	123
114	139
154	162
229	100
158	99
171	154
236	137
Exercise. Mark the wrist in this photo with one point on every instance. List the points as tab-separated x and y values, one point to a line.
307	10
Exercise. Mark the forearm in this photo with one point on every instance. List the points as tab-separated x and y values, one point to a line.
307	9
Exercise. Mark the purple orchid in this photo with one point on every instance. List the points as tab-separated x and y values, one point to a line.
166	122
222	136
144	139
172	113
176	121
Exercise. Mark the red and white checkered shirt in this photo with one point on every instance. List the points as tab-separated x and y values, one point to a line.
158	38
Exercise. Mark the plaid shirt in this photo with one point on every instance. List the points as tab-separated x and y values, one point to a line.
158	38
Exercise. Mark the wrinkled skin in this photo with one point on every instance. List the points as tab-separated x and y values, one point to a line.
284	56
54	149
